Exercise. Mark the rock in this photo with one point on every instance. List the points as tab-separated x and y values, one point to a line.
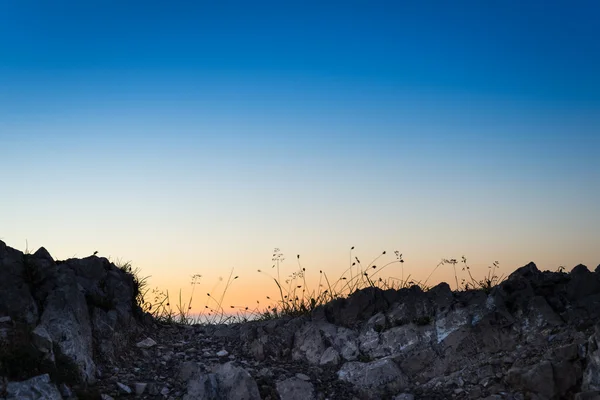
146	343
538	379
309	344
65	391
591	374
17	279
140	388
226	382
236	382
373	375
41	339
36	388
330	357
71	311
203	387
124	388
565	375
302	376
188	369
295	389
66	319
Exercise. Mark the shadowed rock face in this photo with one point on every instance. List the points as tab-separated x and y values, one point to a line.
72	312
536	335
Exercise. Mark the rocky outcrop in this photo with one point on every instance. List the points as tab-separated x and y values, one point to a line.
534	336
61	317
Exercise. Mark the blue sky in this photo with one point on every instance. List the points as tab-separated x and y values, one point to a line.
195	137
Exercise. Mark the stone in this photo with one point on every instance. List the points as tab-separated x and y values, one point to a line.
140	388
236	382
302	376
538	378
36	388
374	374
146	343
124	388
295	389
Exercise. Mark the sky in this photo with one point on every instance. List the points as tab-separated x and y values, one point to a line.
196	137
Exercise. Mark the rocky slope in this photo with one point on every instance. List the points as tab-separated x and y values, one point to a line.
72	329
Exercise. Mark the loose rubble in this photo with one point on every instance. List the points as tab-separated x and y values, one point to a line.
72	330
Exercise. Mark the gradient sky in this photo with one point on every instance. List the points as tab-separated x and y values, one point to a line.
196	137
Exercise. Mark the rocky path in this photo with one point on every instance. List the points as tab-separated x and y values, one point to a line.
169	361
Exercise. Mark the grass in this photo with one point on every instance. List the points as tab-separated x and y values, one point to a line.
295	297
486	284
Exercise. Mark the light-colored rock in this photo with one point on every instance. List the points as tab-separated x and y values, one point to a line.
146	343
377	322
302	376
309	344
236	382
227	382
67	321
330	357
124	388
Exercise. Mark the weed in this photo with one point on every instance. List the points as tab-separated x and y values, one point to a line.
295	297
139	284
486	284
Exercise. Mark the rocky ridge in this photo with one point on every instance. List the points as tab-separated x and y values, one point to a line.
72	329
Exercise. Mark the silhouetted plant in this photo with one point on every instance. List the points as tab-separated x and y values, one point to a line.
296	298
488	282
